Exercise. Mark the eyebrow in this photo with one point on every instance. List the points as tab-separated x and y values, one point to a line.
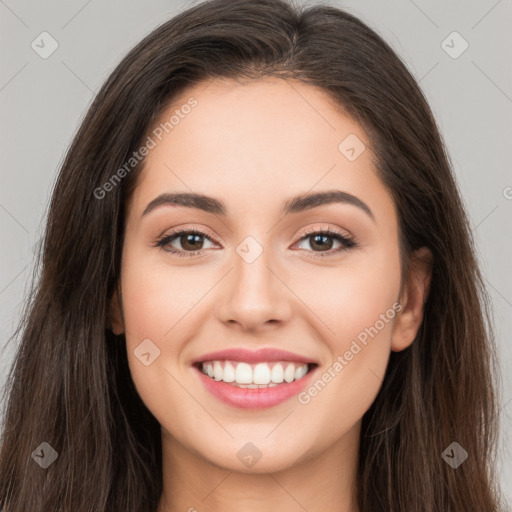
294	205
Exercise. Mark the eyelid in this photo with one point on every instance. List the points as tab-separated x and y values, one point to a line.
324	229
189	229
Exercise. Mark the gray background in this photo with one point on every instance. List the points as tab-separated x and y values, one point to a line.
44	100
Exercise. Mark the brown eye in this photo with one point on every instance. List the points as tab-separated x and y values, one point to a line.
189	242
323	242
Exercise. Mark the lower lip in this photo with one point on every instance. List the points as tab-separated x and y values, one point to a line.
254	398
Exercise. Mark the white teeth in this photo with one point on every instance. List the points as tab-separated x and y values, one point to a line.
300	372
217	371
289	373
261	386
229	372
243	373
260	375
277	373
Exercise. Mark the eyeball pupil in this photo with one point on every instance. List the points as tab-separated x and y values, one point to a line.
193	240
322	242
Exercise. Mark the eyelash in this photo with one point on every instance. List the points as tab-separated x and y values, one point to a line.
164	241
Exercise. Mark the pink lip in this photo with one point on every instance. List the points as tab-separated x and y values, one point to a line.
248	356
254	398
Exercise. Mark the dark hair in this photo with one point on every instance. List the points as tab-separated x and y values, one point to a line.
70	384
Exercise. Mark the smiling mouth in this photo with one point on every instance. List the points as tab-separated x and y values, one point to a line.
255	375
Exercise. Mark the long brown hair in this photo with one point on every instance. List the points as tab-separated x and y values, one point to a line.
70	384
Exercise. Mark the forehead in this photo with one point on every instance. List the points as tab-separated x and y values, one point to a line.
256	144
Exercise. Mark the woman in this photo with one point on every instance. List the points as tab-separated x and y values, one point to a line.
258	287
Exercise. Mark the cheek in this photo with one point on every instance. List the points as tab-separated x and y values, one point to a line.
157	298
359	306
158	306
355	300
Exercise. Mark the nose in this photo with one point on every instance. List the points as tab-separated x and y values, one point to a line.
254	297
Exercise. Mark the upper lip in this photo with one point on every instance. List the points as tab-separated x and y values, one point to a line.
253	356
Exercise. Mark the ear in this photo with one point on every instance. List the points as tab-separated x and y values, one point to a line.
115	315
412	299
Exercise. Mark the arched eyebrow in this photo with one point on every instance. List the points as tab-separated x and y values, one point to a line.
296	204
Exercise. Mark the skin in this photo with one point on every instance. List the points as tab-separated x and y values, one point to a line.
253	146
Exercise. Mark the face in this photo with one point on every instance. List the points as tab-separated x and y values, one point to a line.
253	272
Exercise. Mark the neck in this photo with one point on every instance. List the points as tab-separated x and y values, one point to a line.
324	481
